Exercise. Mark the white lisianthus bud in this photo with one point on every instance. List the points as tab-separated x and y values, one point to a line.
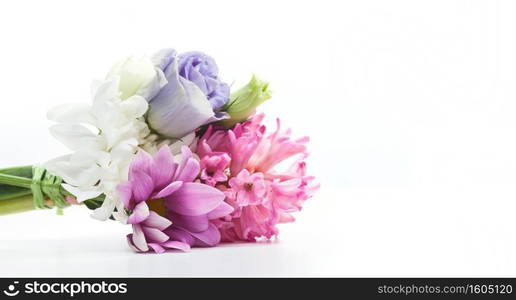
135	75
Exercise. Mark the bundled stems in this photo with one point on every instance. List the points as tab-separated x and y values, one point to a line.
27	188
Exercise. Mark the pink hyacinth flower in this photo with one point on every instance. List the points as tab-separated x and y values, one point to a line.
250	189
168	210
213	168
262	194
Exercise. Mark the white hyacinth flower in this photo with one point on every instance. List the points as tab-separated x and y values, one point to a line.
104	137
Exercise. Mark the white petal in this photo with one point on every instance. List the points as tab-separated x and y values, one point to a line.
107	89
176	146
75	136
152	88
94	86
51	164
134	107
80	194
120	215
104	212
163	57
125	150
88	157
134	73
79	169
76	174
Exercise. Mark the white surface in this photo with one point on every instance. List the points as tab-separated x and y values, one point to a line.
348	232
410	106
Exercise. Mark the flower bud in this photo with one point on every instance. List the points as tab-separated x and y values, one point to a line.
135	74
243	103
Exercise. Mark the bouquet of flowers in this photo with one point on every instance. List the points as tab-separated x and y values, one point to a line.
166	147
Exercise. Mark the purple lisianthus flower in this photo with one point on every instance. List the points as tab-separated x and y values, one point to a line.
189	94
167	209
202	70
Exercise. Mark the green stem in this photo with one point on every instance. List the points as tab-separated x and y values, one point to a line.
15	180
16	205
16	170
15	194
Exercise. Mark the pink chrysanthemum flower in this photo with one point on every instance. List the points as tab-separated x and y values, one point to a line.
167	209
262	196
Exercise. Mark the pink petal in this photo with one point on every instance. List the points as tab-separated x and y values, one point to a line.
244	176
259	213
142	186
186	154
131	244
259	187
286	218
139	214
245	198
186	166
154	235
138	239
220	176
163	167
189	172
289	187
180	235
169	189
177	245
222	210
157	248
235	183
125	193
157	221
195	199
210	237
190	223
142	162
241	153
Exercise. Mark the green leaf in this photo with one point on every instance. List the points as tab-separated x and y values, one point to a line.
94	203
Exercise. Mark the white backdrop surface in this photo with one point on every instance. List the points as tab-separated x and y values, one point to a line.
410	105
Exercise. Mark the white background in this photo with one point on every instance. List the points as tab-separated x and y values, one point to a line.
411	106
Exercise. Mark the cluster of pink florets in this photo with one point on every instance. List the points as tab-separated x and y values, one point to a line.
248	165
